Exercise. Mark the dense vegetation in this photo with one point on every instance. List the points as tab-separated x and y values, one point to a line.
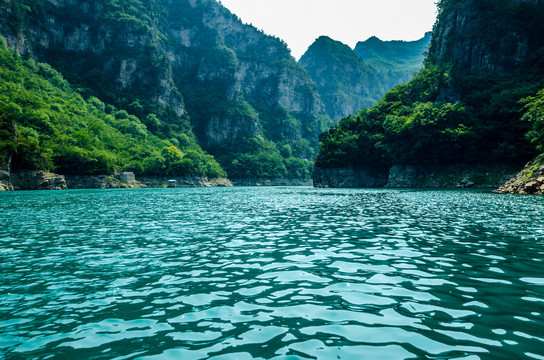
395	61
122	52
448	114
46	124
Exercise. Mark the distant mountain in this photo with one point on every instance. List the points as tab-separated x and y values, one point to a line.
349	80
346	84
396	60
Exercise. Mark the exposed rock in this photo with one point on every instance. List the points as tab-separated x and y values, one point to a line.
458	176
530	180
272	182
126	177
349	178
37	180
119	180
403	176
5	181
230	130
413	176
499	53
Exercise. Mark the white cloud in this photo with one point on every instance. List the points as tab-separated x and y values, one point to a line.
300	22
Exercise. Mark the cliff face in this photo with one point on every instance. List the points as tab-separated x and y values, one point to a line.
232	73
503	33
88	40
193	58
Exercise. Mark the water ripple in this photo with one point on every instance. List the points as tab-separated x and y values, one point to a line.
271	273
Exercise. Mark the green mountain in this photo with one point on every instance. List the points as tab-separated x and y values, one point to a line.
472	104
397	61
344	81
192	67
349	80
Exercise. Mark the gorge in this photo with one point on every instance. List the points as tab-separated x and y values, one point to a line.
183	88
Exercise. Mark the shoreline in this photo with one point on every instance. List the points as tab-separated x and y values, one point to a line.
42	180
500	179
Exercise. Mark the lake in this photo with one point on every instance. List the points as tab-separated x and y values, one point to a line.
271	273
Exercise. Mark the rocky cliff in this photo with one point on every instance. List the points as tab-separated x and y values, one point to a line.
414	176
31	180
350	177
192	62
494	35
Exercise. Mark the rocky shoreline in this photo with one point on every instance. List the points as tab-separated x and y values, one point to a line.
530	180
413	176
31	180
40	180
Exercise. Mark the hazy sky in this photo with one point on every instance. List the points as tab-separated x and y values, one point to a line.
300	22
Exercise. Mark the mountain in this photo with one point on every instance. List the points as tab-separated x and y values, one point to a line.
396	60
346	84
192	64
475	104
349	80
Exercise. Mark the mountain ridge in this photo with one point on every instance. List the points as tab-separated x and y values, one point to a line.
350	79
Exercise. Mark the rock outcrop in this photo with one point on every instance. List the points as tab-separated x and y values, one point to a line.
272	182
528	181
5	181
37	180
187	181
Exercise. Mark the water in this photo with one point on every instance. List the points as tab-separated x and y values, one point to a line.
271	273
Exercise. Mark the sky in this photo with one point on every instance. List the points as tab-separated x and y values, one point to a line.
300	22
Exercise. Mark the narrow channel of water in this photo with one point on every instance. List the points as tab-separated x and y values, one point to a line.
271	273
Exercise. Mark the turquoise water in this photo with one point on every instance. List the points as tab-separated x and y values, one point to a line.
271	273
